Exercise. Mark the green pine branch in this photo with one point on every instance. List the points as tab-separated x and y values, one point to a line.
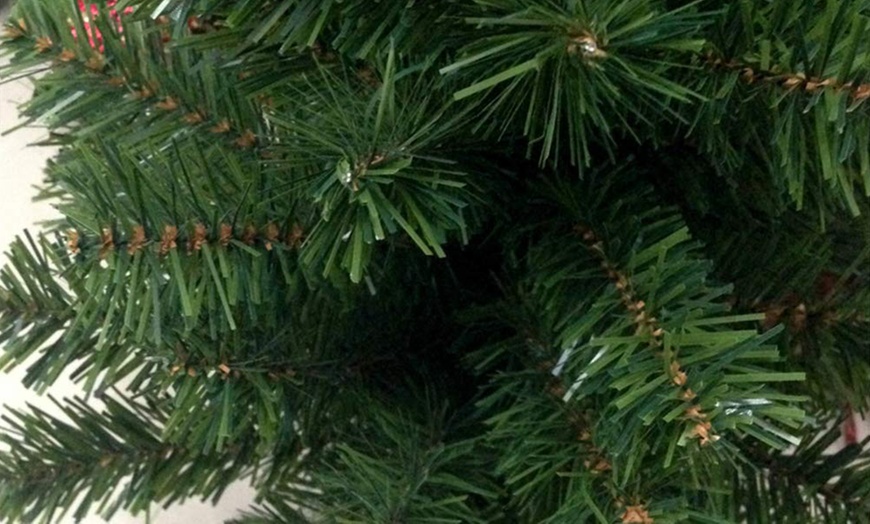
283	220
809	484
790	93
561	70
643	358
102	460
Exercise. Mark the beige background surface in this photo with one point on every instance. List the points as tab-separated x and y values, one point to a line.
20	168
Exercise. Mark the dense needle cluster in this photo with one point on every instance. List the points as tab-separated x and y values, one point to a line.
403	261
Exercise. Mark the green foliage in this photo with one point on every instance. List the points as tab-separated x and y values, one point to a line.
392	468
806	484
569	71
107	461
601	381
789	96
302	244
374	164
812	280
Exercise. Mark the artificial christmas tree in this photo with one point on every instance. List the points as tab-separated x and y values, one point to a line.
446	261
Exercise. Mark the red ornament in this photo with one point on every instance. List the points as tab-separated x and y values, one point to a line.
89	13
850	427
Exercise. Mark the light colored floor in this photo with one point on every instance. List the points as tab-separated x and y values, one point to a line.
21	168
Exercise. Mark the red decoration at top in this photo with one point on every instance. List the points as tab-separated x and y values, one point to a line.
850	427
92	11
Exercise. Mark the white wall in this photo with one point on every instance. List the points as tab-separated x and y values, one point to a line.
21	168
